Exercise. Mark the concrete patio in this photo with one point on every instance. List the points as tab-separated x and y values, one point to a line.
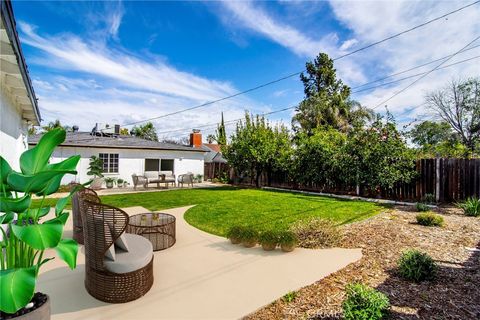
201	277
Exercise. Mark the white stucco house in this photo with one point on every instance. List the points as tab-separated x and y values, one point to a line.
124	155
18	104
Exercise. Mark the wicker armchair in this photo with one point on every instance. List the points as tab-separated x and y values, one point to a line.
185	178
102	226
76	216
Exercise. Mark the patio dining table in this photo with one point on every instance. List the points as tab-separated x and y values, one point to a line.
158	228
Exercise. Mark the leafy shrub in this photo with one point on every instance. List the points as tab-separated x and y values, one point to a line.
287	238
317	233
422	207
429	198
416	266
471	206
268	238
364	303
235	233
289	297
249	236
429	219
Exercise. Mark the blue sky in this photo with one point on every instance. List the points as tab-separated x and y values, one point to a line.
121	62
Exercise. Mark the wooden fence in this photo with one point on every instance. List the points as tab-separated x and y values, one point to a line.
449	180
214	170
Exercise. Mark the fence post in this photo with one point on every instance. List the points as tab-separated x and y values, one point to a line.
437	179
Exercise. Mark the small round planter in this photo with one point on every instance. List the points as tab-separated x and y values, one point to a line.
286	248
109	185
269	246
40	313
235	240
249	244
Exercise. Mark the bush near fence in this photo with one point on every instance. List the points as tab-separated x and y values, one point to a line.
448	179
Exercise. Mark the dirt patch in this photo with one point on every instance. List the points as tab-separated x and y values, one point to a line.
454	294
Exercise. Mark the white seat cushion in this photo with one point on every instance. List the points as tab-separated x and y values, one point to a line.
139	255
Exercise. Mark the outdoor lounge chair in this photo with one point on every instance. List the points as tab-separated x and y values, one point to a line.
139	180
85	193
167	177
185	178
126	276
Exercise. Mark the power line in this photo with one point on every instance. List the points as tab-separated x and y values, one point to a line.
410	69
229	122
297	73
356	91
414	75
425	74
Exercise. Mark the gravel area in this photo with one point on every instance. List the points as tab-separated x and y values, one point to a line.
454	294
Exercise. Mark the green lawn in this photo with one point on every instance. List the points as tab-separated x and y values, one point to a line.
219	208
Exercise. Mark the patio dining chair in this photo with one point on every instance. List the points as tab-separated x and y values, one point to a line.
85	193
185	178
114	274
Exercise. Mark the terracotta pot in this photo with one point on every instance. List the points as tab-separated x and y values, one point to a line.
235	240
286	248
42	313
268	246
249	244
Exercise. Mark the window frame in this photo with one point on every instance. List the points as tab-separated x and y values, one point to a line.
111	162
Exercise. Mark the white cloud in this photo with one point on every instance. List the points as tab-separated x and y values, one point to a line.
72	53
85	82
252	17
256	19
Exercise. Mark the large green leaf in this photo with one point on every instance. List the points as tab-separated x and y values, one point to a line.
35	183
16	288
68	164
36	159
7	217
62	218
5	170
15	204
40	236
37	212
61	203
67	250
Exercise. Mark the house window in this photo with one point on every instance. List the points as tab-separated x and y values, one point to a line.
110	162
166	165
152	165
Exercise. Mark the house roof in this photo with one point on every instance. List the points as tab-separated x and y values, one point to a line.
213	147
86	139
214	153
13	67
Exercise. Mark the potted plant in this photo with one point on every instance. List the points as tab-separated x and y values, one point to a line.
235	234
288	241
249	237
120	182
109	182
24	237
268	240
95	169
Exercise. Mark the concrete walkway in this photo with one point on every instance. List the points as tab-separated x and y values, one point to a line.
201	277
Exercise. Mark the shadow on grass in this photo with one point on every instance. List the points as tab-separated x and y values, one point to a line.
453	294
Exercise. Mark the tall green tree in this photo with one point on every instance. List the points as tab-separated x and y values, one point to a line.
146	131
56	125
458	104
221	134
256	147
378	156
327	101
434	138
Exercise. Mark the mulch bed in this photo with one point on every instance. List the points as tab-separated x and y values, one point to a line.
454	294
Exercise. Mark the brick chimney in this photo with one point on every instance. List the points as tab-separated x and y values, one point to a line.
196	138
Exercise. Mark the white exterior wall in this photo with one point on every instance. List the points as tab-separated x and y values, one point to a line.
129	162
13	130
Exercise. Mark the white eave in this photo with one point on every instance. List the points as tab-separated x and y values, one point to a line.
13	70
